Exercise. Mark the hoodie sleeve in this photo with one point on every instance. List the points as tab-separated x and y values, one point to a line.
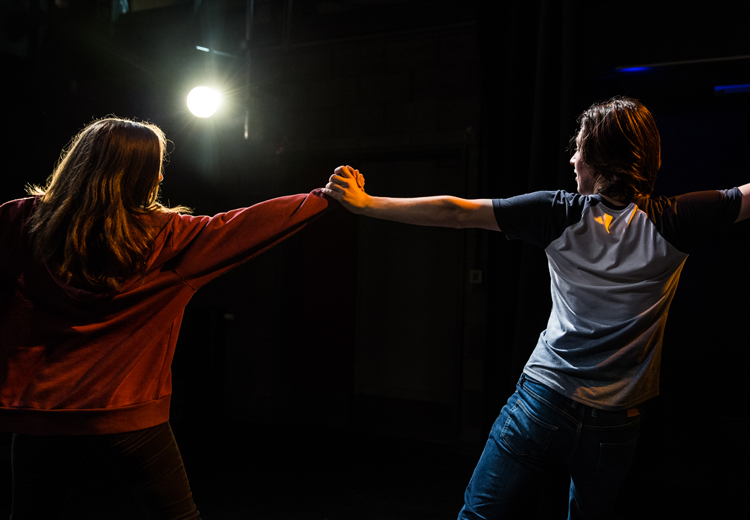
206	247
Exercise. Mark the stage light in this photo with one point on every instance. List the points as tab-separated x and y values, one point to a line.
203	101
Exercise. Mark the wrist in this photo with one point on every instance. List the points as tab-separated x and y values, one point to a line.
365	207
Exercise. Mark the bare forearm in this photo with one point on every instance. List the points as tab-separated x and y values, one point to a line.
441	211
424	211
346	185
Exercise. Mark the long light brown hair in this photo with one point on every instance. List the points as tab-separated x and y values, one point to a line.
89	217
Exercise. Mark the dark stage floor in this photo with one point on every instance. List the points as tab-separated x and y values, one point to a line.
239	471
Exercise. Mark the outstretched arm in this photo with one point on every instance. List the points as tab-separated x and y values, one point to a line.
346	186
745	209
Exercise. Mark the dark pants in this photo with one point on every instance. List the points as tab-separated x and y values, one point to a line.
146	462
539	430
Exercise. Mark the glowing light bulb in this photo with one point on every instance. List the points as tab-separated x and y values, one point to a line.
203	101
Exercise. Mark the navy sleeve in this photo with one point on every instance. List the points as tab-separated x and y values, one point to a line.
687	220
539	217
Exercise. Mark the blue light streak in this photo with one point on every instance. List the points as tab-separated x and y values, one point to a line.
731	89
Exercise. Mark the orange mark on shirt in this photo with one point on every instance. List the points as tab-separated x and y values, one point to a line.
605	220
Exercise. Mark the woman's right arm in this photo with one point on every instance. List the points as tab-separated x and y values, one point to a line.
210	246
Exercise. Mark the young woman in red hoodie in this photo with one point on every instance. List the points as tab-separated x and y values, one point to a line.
94	276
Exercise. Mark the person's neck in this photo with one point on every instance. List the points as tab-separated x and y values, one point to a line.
616	202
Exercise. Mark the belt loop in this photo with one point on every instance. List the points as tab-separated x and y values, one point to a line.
594	412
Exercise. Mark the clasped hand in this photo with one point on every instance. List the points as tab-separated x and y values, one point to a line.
347	186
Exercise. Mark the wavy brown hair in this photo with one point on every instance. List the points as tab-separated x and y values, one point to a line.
89	218
620	144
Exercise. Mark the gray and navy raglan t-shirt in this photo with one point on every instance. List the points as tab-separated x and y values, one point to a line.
614	271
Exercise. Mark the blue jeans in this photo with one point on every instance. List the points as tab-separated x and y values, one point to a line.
539	430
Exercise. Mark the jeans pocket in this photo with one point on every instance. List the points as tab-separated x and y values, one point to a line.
615	459
525	434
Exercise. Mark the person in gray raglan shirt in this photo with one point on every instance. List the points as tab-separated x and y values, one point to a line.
615	255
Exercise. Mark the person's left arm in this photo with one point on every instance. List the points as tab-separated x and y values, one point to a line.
745	208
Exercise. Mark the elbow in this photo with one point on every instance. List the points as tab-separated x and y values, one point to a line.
459	216
472	214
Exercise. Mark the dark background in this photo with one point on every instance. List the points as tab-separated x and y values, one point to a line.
354	371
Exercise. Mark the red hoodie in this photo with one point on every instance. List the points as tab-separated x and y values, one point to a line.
76	362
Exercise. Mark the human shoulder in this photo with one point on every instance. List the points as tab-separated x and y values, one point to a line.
13	217
540	217
17	210
560	203
25	202
551	196
687	219
542	200
687	205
